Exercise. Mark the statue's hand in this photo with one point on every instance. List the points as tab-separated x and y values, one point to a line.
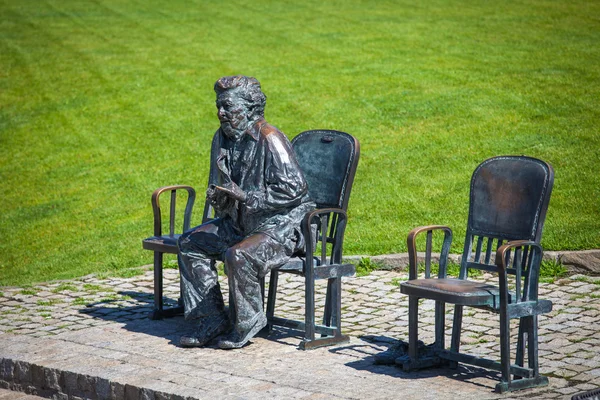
216	198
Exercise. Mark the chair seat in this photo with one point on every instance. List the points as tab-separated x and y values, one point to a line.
293	266
164	244
455	291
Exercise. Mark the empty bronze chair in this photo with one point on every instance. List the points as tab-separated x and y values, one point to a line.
507	206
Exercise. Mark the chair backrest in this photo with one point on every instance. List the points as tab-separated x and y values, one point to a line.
187	215
328	160
508	201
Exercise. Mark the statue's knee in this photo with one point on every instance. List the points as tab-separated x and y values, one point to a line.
233	258
230	256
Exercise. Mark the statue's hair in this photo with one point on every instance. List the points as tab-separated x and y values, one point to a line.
250	91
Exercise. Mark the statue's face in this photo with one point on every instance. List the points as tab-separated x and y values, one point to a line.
233	113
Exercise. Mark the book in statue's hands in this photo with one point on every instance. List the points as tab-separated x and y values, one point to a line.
234	192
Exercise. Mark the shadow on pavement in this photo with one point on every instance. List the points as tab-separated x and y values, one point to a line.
135	318
375	344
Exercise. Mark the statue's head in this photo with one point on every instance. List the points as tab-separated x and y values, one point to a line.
240	103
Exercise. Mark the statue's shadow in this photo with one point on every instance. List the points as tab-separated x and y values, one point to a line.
365	354
136	318
134	315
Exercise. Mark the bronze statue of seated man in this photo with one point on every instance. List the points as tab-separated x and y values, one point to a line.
260	198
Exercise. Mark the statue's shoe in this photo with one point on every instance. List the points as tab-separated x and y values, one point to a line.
389	356
210	327
239	337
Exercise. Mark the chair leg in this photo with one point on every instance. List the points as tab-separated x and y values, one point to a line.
532	345
523	330
440	326
505	348
420	356
332	318
327	312
267	329
157	313
456	330
261	282
309	309
528	325
273	280
538	380
413	328
180	299
328	309
332	315
336	318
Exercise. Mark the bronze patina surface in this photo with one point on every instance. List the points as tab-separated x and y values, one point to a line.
260	196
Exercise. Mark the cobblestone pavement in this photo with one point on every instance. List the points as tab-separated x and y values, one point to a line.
91	338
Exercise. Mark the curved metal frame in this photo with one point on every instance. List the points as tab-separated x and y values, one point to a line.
161	244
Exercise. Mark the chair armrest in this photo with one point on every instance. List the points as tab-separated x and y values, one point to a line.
526	259
332	224
412	250
503	252
157	213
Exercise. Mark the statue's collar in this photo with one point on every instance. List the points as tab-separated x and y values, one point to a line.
254	131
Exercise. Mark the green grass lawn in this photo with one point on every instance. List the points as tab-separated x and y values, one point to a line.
102	102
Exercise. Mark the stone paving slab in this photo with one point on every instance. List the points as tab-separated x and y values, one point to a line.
90	338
